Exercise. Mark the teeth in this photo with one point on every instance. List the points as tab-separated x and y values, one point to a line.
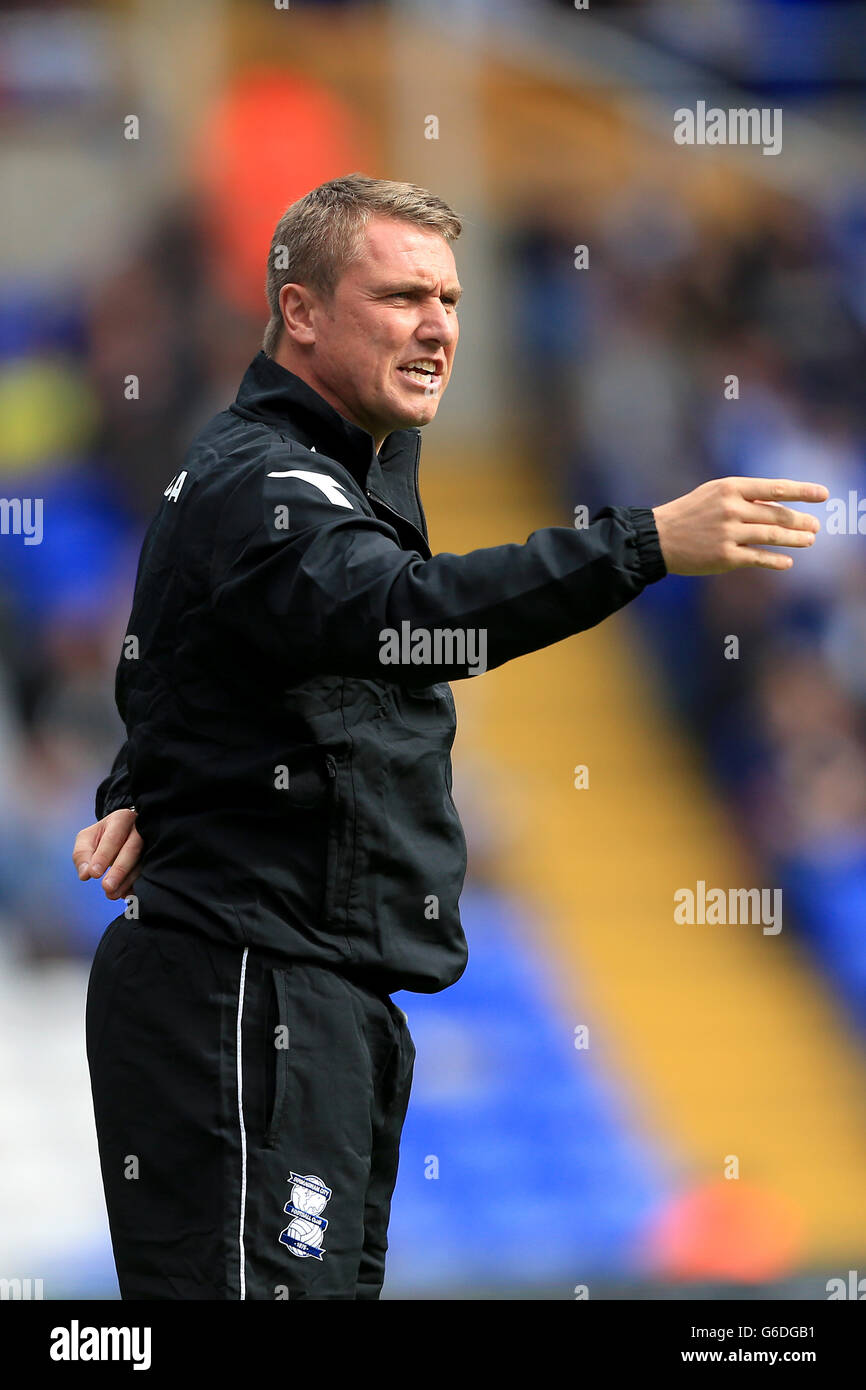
423	364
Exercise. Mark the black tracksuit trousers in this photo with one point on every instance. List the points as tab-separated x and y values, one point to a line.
248	1114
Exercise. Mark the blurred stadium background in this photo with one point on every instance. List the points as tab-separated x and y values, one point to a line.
559	1165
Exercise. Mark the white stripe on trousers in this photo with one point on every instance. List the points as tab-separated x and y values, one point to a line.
241	1256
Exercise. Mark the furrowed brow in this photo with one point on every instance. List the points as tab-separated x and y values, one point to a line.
412	287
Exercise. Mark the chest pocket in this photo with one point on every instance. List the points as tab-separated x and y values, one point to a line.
428	708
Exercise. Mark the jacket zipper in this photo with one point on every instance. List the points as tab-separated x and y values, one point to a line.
334	839
418	491
374	497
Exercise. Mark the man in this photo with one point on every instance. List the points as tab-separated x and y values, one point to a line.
283	802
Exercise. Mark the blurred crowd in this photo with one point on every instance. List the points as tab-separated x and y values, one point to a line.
790	48
101	393
628	368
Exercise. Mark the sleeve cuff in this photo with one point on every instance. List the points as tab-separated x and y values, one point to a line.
646	540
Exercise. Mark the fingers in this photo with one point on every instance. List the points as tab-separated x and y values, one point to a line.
721	524
774	514
98	845
113	837
767	522
124	866
82	851
780	490
746	557
748	534
121	889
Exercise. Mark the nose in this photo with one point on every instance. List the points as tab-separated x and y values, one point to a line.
438	324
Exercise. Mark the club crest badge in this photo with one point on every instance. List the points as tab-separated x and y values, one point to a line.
304	1234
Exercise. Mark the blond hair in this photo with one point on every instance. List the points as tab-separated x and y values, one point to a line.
322	233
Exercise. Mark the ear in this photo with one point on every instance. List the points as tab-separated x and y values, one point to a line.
296	307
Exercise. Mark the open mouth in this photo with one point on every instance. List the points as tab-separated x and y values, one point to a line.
425	373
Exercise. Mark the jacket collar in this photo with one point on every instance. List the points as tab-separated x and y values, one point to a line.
276	396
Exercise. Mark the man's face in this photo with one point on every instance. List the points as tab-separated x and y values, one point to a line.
394	306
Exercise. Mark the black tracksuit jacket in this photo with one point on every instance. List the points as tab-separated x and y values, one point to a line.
293	792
